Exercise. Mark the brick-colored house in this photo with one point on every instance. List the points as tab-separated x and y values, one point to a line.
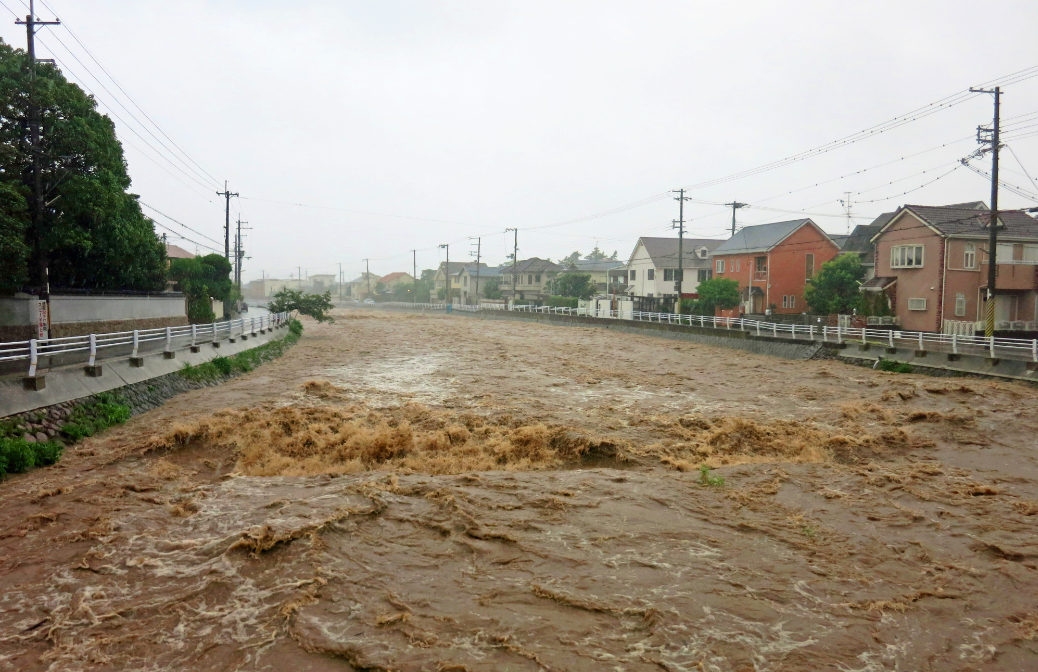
932	264
772	262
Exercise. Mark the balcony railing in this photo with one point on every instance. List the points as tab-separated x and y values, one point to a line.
760	275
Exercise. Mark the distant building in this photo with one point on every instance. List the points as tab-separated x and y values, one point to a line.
652	268
473	284
773	262
361	287
319	284
860	243
455	273
177	252
393	279
598	270
531	277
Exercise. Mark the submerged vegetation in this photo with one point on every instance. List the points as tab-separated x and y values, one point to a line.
244	361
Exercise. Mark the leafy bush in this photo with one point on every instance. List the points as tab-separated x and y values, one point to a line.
562	302
223	365
894	366
104	411
296	327
47	453
834	289
706	479
313	305
18	455
717	293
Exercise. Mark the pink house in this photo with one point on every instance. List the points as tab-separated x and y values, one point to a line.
932	264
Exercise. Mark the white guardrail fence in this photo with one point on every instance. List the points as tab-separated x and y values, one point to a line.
92	346
1004	348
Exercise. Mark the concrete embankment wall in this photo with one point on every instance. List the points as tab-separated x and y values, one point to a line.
72	382
77	315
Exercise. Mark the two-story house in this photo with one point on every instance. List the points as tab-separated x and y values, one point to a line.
473	282
598	270
772	263
652	268
932	263
458	290
531	279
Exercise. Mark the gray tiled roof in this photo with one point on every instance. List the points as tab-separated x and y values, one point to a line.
760	238
534	265
860	240
664	251
971	222
589	266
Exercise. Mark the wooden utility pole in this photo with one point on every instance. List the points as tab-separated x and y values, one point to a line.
36	212
735	205
227	220
989	314
367	277
680	226
447	273
414	276
515	264
479	247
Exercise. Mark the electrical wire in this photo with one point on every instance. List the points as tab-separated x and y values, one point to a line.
179	223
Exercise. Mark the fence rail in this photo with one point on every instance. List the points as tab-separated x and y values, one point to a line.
92	346
986	346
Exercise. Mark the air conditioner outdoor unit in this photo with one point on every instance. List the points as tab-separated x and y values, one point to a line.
1003	325
1018	326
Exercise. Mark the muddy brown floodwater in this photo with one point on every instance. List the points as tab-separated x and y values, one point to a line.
429	492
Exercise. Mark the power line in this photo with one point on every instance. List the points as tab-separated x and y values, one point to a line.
178	222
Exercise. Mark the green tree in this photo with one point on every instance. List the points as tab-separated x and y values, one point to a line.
93	234
566	261
834	289
412	291
203	279
717	293
874	304
491	288
313	305
598	255
577	285
428	275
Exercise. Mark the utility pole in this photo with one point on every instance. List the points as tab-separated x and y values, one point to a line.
735	205
414	276
982	138
239	254
367	277
299	278
36	213
479	247
680	226
227	220
846	203
447	273
515	265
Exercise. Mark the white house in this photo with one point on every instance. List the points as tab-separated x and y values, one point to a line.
653	265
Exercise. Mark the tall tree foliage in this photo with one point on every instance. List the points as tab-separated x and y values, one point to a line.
202	279
93	231
577	285
834	289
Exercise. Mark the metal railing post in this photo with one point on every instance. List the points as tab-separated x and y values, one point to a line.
93	349
955	343
774	329
839	336
811	331
758	328
863	336
992	347
33	357
194	334
136	342
1034	350
921	347
891	333
169	340
825	333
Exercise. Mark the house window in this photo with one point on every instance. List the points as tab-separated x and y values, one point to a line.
704	275
917	304
1031	253
960	304
632	275
738	265
651	274
1004	253
465	281
538	278
810	266
761	264
785	301
529	279
702	252
969	260
668	275
792	301
719	265
907	256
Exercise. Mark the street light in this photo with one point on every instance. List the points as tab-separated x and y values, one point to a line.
447	272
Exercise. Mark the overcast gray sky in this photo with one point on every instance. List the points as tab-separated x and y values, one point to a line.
487	115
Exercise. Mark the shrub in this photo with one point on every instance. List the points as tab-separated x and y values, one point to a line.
894	366
562	301
18	455
104	411
706	479
296	327
47	453
223	365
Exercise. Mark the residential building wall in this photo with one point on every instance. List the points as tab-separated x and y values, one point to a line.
786	270
916	283
641	263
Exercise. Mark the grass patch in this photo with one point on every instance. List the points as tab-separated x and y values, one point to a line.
706	479
895	367
18	456
103	411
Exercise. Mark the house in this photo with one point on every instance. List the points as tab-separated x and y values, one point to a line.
177	252
393	279
455	271
772	263
321	283
265	288
653	265
473	282
932	263
362	286
531	279
598	270
860	243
